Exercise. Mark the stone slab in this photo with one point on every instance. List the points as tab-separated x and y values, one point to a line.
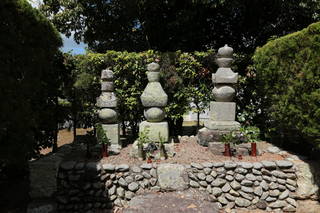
171	177
222	111
169	148
156	128
222	125
205	136
113	133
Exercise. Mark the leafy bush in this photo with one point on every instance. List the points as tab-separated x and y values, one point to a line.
29	82
288	75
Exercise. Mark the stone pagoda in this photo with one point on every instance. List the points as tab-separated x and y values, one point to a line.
154	99
222	110
107	102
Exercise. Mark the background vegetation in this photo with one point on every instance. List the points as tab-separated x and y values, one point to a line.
288	75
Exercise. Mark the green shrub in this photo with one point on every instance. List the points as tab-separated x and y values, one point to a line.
288	75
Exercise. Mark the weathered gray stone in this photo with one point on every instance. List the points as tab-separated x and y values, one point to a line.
222	200
246	165
129	195
256	183
239	177
153	181
216	191
192	176
218	182
207	164
147	166
279	174
261	204
250	177
226	188
201	176
153	172
246	183
247	189
291	201
229	178
269	164
112	190
155	129
289	208
284	195
209	178
138	177
264	185
222	111
278	204
282	187
207	170
146	175
234	193
209	189
273	185
256	172
122	168
273	149
257	165
246	195
129	179
281	181
274	193
214	174
133	186
241	170
291	188
242	202
218	164
122	182
136	169
235	185
230	197
203	183
264	195
230	165
171	177
271	199
258	191
284	164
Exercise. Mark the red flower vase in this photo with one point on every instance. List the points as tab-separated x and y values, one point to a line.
253	149
104	150
227	150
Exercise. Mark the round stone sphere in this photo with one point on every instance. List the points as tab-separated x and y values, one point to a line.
225	51
154	114
223	93
108	115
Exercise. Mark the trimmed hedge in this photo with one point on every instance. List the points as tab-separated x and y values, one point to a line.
288	74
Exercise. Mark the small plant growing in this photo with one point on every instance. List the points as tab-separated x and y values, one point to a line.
102	139
227	139
251	135
142	139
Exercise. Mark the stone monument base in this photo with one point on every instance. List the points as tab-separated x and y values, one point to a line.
169	149
113	133
205	136
222	125
156	128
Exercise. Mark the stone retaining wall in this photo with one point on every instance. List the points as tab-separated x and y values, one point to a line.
266	185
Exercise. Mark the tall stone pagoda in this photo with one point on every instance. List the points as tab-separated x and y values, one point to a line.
107	102
222	110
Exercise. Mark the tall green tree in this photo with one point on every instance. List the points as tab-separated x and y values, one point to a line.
29	83
186	25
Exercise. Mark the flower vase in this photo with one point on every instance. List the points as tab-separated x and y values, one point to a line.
253	149
104	150
227	150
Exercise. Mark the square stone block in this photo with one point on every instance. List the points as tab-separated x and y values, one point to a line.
113	133
222	111
222	125
154	129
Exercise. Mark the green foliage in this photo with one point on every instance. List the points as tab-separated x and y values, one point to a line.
231	137
30	81
288	74
102	137
143	137
249	134
163	25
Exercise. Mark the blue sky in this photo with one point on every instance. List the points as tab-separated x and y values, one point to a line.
69	45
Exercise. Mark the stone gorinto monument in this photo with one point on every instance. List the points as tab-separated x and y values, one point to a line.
107	102
222	110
